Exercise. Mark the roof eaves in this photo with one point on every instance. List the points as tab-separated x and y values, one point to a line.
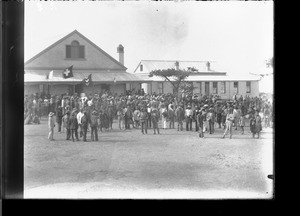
49	47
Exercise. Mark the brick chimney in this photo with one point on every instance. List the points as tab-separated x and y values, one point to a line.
208	66
177	65
120	50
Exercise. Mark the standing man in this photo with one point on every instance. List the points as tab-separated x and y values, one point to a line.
258	126
188	118
51	124
195	114
164	115
59	115
73	125
94	125
128	117
143	116
171	116
229	123
211	120
149	116
199	119
179	113
79	116
84	123
218	112
120	115
66	122
155	118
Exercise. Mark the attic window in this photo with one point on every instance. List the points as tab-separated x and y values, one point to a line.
141	67
75	50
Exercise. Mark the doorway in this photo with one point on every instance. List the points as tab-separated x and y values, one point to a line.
206	88
79	89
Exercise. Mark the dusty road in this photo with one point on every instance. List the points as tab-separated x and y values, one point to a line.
128	164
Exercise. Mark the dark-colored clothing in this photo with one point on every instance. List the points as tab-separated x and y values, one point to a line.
84	123
94	127
154	119
59	115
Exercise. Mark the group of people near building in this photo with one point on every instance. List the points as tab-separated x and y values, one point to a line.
96	112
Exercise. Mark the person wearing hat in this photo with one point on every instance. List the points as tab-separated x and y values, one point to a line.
179	115
155	119
59	116
171	116
94	125
73	124
75	111
195	113
149	115
224	113
143	116
164	115
79	116
258	125
218	111
188	118
51	125
210	118
229	123
84	123
205	122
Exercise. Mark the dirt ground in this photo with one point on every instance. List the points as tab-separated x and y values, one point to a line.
128	164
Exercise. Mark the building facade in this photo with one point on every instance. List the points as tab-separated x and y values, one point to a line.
43	72
206	79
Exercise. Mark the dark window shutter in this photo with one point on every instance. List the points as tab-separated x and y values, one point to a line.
81	51
68	51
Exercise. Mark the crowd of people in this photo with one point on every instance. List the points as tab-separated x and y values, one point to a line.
96	112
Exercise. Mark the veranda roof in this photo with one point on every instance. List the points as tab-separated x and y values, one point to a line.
40	76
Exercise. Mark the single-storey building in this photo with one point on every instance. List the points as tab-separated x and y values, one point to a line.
44	71
206	79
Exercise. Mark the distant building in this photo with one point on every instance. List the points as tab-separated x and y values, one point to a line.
86	58
207	79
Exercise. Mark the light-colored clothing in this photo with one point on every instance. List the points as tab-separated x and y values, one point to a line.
163	118
188	112
79	116
51	125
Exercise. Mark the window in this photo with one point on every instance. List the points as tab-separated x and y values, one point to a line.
160	87
223	87
200	88
215	87
141	67
236	87
75	50
248	87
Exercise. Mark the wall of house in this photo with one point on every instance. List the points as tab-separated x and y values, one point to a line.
200	88
56	57
59	89
31	89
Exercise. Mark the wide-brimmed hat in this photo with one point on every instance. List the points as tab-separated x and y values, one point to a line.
94	112
51	114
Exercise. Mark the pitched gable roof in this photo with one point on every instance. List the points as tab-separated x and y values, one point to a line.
82	36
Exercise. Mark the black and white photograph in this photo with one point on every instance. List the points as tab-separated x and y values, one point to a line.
148	100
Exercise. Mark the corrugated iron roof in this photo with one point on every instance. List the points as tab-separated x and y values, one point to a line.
199	78
166	64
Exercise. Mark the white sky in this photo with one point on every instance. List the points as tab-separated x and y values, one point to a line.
238	35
